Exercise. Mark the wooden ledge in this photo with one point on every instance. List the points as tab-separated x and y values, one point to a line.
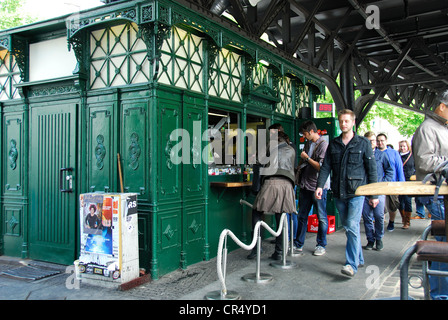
231	184
411	188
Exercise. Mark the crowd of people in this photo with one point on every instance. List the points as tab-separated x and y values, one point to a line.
351	161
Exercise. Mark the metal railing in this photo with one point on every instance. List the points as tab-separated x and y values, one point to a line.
258	277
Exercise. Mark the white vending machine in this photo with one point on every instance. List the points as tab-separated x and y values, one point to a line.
109	238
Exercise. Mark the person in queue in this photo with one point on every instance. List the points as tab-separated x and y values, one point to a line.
276	194
350	159
408	171
312	157
430	149
392	203
293	228
373	217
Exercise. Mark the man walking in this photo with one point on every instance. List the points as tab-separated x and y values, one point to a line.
373	217
430	149
350	158
392	202
312	158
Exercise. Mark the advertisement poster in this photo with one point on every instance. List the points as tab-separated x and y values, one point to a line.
96	223
109	237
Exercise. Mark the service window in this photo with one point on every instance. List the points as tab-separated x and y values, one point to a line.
255	125
223	135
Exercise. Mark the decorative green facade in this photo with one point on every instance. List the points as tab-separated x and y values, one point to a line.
144	69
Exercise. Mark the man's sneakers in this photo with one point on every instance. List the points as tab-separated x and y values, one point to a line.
319	251
370	244
348	270
379	245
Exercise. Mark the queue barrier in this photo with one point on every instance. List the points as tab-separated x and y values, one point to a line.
257	277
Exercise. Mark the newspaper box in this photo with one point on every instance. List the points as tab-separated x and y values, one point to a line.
109	238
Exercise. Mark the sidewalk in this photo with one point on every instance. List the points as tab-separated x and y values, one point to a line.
315	278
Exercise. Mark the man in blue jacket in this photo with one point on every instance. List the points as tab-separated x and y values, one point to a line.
392	202
350	158
373	217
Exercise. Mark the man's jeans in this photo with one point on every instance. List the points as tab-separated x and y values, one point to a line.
374	219
438	285
350	211
419	208
306	201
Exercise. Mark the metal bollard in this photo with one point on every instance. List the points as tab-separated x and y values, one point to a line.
258	277
221	294
284	264
291	242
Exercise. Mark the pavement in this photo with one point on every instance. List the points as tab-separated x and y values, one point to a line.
312	278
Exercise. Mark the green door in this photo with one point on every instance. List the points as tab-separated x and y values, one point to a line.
53	203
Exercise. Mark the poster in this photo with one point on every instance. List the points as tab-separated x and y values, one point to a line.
109	237
96	223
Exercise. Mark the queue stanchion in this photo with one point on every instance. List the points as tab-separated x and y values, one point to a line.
223	294
283	263
291	252
258	277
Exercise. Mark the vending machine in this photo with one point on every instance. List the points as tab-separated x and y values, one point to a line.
109	238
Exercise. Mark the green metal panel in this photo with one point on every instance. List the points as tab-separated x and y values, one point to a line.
136	163
134	147
193	234
14	161
13	222
13	139
194	171
53	213
168	219
169	238
101	146
225	212
170	119
193	183
181	216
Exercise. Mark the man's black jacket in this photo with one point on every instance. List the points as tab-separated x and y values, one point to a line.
352	165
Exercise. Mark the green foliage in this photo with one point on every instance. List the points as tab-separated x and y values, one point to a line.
406	121
11	14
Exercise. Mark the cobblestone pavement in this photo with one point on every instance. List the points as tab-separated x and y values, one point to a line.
181	282
391	286
315	278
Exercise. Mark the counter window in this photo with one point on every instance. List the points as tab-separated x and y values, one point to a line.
223	137
253	124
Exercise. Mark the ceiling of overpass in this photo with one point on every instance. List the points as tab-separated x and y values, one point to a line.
394	49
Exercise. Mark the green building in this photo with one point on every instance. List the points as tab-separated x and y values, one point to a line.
80	93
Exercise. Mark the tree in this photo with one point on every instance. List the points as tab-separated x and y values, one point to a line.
406	121
12	14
